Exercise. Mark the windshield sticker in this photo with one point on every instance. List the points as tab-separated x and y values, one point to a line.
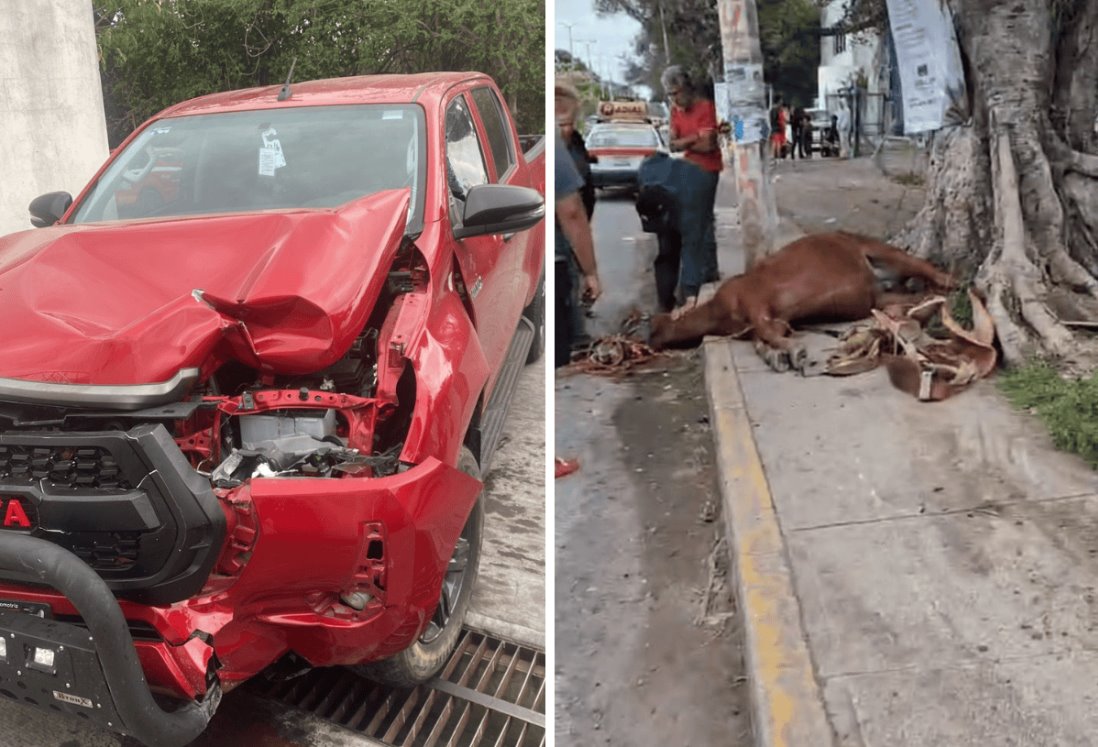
270	153
393	114
162	130
268	161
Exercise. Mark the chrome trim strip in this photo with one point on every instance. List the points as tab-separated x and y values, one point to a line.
111	397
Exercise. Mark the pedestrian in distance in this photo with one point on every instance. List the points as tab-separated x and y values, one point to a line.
831	138
797	125
694	134
806	135
787	117
777	129
843	125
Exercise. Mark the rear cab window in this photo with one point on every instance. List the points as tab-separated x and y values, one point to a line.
497	127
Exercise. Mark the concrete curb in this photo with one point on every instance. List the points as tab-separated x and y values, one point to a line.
786	701
513	632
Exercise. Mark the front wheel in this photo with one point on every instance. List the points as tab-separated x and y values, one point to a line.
429	653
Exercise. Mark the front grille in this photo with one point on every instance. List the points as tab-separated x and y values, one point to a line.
128	503
62	466
107	551
139	629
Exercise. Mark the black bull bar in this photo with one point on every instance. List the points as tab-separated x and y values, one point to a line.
93	673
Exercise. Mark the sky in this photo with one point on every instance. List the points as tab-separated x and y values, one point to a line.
610	36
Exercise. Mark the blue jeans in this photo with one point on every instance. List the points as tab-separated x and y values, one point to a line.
699	236
565	300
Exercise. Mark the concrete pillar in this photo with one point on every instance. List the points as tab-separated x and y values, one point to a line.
53	131
747	93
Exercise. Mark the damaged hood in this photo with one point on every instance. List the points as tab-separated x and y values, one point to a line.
133	303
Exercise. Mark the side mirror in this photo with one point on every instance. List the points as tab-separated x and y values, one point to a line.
47	209
499	208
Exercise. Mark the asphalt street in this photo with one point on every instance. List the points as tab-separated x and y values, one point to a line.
648	651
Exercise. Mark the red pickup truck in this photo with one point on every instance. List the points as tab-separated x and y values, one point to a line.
249	382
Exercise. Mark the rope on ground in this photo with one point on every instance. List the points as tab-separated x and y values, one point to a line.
617	354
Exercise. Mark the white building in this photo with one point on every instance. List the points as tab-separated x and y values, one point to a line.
844	58
51	103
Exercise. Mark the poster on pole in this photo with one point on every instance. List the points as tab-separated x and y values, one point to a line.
738	102
929	60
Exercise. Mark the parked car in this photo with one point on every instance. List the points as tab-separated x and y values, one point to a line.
246	422
821	124
620	147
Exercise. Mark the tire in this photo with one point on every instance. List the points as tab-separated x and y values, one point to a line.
429	653
535	313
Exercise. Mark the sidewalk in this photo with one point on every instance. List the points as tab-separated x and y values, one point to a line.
509	598
931	566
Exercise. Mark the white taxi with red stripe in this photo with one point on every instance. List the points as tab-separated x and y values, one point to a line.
620	147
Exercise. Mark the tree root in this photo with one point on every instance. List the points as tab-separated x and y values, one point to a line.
1083	163
1064	269
1009	277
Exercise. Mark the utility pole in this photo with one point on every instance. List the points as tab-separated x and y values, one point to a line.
624	65
663	27
587	60
571	54
743	76
602	76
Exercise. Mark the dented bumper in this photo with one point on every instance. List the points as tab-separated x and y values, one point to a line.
297	551
92	670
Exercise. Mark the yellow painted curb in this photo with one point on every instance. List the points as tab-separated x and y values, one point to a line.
787	706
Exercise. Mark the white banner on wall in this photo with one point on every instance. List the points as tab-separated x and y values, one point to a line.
931	75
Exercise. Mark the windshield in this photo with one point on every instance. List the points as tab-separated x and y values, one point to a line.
658	109
632	138
301	157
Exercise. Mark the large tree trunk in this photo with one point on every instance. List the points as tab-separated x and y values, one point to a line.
1012	198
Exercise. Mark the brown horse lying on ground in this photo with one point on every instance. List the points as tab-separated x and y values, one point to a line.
829	276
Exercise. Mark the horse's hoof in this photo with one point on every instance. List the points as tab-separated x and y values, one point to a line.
778	360
798	359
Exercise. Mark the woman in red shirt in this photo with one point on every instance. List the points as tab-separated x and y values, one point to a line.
778	118
694	133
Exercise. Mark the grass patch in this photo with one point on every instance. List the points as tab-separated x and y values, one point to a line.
1068	407
960	306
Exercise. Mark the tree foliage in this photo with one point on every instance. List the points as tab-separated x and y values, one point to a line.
154	53
862	15
788	29
789	35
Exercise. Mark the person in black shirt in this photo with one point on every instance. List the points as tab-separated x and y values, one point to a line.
567	106
832	138
797	123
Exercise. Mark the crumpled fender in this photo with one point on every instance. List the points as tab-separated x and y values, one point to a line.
451	372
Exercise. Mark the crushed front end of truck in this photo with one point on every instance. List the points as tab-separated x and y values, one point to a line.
177	546
170	540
